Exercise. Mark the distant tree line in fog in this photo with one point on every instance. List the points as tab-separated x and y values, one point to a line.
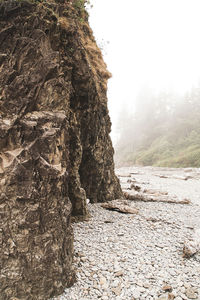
163	130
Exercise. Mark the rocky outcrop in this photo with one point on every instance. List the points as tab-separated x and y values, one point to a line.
55	149
36	237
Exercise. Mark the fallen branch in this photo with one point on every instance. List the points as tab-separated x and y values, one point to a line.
136	173
120	206
174	177
154	220
155	192
161	198
161	176
124	175
181	177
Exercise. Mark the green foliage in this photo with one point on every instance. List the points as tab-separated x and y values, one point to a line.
164	131
80	4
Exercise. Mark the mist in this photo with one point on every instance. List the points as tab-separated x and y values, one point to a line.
162	130
151	48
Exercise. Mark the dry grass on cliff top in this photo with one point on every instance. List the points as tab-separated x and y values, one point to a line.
95	59
93	53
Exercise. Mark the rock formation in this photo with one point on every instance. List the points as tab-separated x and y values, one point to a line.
55	149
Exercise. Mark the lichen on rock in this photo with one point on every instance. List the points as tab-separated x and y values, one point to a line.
55	148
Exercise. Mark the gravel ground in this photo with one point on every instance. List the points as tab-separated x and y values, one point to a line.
126	257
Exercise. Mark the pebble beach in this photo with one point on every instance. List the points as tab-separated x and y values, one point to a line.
139	256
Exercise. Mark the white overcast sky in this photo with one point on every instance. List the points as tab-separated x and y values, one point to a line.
154	42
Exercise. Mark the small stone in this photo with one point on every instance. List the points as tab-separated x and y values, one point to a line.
119	273
172	272
182	290
167	288
80	254
163	297
136	294
96	285
115	283
102	281
141	289
140	283
105	297
187	285
117	290
146	285
191	293
83	259
120	234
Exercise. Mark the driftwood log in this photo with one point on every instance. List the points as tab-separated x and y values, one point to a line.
120	206
174	177
154	198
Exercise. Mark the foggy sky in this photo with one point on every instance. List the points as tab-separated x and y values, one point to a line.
151	42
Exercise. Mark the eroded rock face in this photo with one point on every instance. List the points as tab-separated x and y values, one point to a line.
36	236
55	149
